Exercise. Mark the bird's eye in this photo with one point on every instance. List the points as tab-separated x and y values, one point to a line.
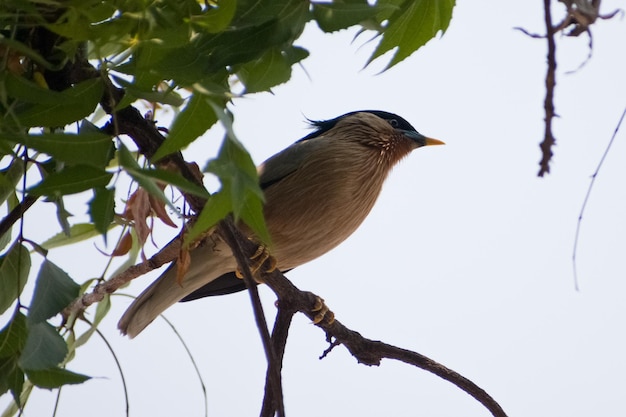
393	122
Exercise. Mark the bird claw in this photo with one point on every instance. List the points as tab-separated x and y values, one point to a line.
322	312
258	260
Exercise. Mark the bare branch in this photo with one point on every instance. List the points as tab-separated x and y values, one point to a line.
529	34
366	351
548	139
280	332
165	255
581	14
584	205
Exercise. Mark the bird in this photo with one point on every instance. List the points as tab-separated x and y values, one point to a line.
317	192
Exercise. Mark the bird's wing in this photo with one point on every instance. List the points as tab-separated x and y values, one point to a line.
286	162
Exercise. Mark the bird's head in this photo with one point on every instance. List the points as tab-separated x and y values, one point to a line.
391	135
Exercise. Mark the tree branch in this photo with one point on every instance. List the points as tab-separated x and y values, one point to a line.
18	211
548	138
168	254
284	315
366	351
273	381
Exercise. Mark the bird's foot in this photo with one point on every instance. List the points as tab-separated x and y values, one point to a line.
261	259
322	312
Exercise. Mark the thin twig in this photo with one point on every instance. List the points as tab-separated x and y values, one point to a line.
119	368
193	363
529	34
584	205
548	139
57	401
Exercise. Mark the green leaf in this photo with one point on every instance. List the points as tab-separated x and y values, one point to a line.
251	213
236	171
239	179
13	336
230	47
331	17
12	341
71	105
289	12
11	377
175	180
295	54
102	209
217	18
10	177
44	347
14	269
62	214
83	21
195	119
216	208
137	92
185	65
270	70
28	91
93	148
54	290
73	26
71	180
240	193
411	26
5	239
78	233
55	377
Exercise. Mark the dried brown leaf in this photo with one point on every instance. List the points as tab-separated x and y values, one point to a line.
158	208
138	210
182	265
124	245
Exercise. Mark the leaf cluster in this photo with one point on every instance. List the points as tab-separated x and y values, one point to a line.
72	75
29	345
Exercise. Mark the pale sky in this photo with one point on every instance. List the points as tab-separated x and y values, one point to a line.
466	257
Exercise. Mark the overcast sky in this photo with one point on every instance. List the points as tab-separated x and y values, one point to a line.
466	257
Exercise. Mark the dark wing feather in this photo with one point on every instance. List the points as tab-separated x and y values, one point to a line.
226	284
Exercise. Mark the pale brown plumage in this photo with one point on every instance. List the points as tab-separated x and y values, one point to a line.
317	191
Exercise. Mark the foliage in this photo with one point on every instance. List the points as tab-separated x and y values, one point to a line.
65	66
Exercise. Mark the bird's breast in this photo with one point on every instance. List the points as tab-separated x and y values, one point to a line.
319	205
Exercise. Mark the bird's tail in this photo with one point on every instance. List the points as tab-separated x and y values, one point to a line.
207	264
